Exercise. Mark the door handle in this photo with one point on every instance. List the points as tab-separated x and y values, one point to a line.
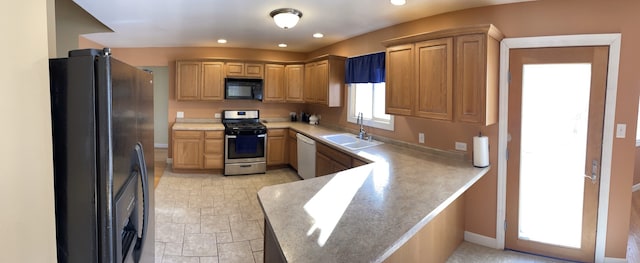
142	172
595	165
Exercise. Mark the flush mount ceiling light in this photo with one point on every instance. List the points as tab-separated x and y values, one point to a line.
286	18
282	45
222	41
318	35
398	2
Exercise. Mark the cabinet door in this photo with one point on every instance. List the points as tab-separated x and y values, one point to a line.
274	83
234	69
276	150
187	149
254	70
320	84
212	81
326	165
294	82
292	143
470	87
434	77
214	150
188	80
400	82
309	80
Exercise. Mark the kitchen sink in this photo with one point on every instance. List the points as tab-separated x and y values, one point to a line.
350	141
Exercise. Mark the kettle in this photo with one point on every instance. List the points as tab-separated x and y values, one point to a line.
313	120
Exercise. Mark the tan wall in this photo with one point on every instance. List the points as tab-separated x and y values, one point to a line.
71	21
521	20
27	220
537	18
636	169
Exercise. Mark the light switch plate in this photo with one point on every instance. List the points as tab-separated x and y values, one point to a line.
180	114
217	115
621	130
421	137
461	146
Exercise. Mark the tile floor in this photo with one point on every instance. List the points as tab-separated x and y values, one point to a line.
203	218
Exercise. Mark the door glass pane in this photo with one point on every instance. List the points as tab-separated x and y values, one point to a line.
555	107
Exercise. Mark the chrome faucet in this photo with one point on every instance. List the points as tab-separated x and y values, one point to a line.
363	134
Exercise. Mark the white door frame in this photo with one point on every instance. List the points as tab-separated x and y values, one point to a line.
611	40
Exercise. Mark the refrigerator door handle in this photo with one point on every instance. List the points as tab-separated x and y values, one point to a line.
139	162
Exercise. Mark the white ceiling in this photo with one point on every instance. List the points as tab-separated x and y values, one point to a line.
247	24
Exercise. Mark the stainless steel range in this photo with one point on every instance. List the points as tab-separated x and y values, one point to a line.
245	142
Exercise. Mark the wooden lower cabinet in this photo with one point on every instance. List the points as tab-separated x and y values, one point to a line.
330	160
276	147
187	149
437	240
213	149
198	150
292	145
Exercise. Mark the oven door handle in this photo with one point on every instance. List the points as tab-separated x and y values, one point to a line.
235	136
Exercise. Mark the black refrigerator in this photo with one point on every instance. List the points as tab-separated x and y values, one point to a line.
102	130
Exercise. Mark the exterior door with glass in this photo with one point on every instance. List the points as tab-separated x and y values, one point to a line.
556	116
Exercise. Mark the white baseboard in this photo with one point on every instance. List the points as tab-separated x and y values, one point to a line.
161	145
615	260
169	160
635	187
480	240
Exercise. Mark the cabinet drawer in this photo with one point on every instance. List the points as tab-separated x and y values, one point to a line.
357	162
336	155
213	161
214	146
213	134
293	135
187	134
276	132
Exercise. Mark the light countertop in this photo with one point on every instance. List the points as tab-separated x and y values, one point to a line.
366	213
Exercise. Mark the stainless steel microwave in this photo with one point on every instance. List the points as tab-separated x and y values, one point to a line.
242	89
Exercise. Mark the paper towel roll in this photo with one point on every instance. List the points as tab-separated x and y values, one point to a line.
480	151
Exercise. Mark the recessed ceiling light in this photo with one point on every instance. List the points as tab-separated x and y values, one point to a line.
318	35
222	41
398	2
282	45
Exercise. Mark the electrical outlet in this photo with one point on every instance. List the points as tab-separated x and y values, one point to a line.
461	146
621	130
421	137
217	115
180	114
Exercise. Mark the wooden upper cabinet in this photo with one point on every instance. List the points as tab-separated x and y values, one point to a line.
197	80
323	81
241	69
456	75
476	83
308	92
434	79
400	82
274	83
212	81
293	83
188	79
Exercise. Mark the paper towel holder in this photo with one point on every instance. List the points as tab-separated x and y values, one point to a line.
480	151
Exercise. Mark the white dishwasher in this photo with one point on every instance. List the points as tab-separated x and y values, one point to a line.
306	157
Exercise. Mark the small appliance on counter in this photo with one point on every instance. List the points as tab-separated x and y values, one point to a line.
304	117
313	120
293	116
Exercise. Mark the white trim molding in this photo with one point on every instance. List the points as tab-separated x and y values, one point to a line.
478	239
635	187
611	40
615	260
161	145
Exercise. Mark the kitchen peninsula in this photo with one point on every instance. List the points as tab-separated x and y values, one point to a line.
371	213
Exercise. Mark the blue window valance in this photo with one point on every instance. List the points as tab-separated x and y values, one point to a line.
365	69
